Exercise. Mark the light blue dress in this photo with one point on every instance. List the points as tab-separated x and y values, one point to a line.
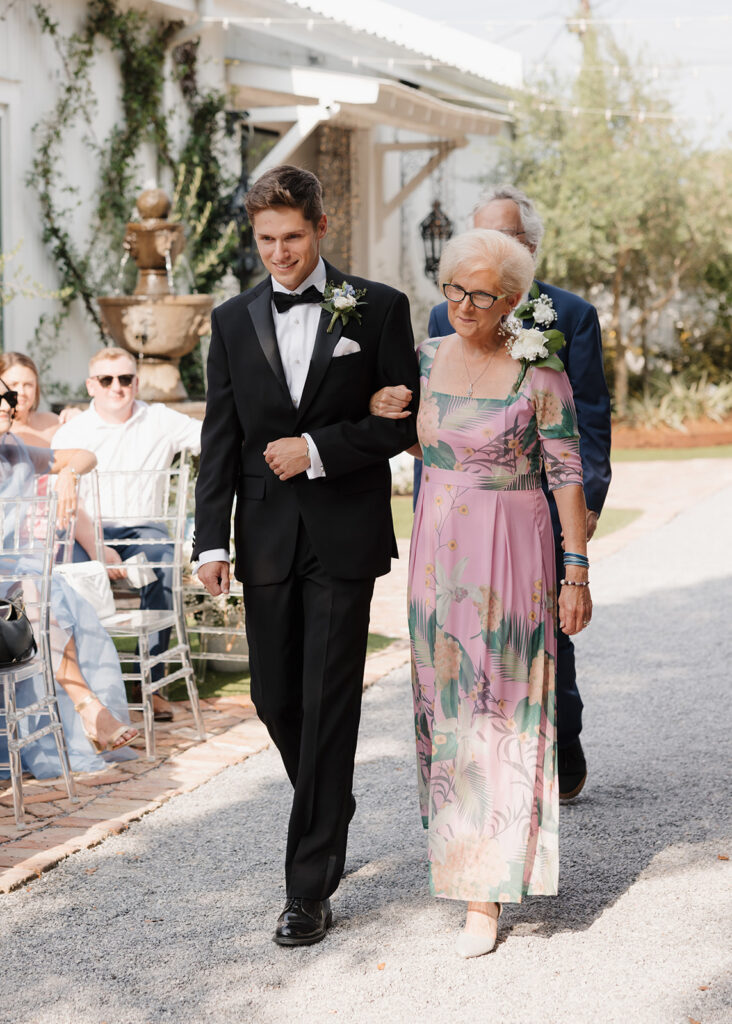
73	616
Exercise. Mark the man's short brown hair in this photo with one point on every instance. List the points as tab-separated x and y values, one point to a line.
286	185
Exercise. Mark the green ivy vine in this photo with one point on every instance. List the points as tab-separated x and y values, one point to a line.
140	43
75	101
201	162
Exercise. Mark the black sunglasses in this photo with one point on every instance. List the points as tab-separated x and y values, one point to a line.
11	397
125	379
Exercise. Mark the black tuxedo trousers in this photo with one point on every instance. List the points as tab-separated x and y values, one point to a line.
307	643
307	551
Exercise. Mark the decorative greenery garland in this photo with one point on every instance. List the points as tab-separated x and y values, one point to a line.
211	245
141	44
76	100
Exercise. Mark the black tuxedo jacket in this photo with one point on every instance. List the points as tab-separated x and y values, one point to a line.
347	513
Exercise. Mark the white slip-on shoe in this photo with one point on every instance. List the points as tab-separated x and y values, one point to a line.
469	945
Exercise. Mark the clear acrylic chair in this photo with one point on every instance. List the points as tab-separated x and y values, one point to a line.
28	530
158	498
217	622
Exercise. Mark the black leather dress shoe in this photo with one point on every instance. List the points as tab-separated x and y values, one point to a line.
303	922
572	770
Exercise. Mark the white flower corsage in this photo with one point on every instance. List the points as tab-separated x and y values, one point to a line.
341	302
531	345
538	307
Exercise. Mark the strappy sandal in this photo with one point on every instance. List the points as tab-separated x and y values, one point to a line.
115	741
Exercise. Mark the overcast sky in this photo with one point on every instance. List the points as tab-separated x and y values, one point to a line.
700	50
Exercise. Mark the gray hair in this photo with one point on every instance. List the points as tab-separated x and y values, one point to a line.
531	222
491	250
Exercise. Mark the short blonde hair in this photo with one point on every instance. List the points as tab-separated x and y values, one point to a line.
113	352
481	249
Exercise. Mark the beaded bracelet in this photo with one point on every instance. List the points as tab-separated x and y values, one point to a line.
574	583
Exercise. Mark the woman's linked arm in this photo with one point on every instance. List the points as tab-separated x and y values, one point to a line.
391	404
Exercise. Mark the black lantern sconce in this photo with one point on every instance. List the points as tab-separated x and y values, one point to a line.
435	230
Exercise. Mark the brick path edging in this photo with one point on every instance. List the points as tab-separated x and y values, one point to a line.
110	801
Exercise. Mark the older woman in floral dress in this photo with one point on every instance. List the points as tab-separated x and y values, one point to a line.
483	597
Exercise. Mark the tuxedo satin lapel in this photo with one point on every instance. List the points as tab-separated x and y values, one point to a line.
260	310
322	355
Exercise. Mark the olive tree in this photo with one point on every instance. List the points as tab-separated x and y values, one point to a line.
633	211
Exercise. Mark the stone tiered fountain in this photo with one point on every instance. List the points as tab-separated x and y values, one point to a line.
154	324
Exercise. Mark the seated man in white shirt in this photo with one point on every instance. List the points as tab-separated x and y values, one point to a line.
127	434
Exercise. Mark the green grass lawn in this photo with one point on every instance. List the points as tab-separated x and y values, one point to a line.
401	510
717	451
611	519
224	684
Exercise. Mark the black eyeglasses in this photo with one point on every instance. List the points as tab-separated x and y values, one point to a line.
511	233
125	379
11	397
481	300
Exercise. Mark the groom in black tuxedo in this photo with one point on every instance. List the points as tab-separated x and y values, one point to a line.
288	431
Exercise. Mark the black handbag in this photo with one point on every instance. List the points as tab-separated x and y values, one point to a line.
17	643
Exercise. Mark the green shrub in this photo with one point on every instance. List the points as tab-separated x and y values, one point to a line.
671	401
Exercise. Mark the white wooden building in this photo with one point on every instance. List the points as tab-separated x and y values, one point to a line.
391	110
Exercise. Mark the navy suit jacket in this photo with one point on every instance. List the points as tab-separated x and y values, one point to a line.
582	358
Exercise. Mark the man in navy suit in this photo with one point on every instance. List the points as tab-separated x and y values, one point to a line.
509	210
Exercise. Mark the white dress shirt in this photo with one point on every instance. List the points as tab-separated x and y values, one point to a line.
295	330
149	439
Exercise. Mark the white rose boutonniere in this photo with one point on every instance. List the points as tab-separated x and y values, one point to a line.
544	313
342	302
533	345
538	307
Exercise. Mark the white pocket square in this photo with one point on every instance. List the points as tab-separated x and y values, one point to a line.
346	347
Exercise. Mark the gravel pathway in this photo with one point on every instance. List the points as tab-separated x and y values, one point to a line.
171	921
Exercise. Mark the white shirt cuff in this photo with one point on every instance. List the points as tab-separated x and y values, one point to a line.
316	468
214	555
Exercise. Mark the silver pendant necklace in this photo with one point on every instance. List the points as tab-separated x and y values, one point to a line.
474	381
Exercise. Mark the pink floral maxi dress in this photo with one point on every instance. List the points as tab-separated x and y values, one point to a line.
482	621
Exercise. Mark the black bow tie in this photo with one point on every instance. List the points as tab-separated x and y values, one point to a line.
284	300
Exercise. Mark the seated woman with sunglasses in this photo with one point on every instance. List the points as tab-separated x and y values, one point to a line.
483	601
95	718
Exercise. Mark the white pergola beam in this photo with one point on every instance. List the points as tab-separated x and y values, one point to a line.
274	115
308	119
